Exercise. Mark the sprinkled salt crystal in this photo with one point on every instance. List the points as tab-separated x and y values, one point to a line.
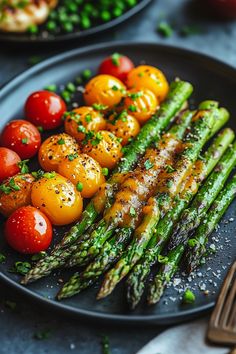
172	298
176	281
231	219
202	286
75	105
72	346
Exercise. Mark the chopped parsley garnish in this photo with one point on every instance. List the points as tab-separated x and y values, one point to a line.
105	171
38	174
24	141
192	242
115	59
99	107
96	139
40	129
10	305
49	175
169	169
189	297
132	211
21	268
105	345
41	335
86	74
115	88
88	118
71	87
61	141
38	256
2	257
141	74
132	108
52	88
79	186
165	29
23	166
162	259
190	30
81	129
169	184
148	164
135	95
71	157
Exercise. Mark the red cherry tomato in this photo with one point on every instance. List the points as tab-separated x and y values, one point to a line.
22	137
116	65
9	161
45	109
28	230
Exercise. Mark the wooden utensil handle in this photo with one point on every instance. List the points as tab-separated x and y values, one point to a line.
233	351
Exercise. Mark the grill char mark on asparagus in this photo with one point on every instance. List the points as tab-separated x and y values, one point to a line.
178	94
139	274
207	193
134	191
196	138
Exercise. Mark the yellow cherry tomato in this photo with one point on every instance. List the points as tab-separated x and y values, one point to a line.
15	193
57	197
54	149
146	76
141	104
84	172
124	126
83	119
105	148
104	90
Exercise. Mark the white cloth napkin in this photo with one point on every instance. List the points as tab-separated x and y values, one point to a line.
184	339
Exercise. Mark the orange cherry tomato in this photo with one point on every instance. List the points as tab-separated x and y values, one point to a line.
141	104
105	148
28	230
54	149
15	193
149	77
83	119
58	198
84	172
124	126
104	90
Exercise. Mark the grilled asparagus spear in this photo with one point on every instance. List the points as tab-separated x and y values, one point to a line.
138	276
199	133
197	245
178	94
197	210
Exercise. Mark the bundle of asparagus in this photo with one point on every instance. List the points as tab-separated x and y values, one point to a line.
154	198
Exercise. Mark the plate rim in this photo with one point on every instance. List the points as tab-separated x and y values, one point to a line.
12	37
91	314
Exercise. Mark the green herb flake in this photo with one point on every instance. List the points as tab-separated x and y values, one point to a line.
88	118
86	74
165	29
163	259
105	171
192	242
23	166
43	334
132	108
169	169
135	95
169	184
79	186
148	164
141	74
38	256
132	212
81	129
61	141
71	87
189	297
13	185
99	107
71	157
10	305
51	88
105	345
37	174
35	60
2	258
40	129
190	30
21	268
24	141
49	175
115	58
115	88
96	140
5	189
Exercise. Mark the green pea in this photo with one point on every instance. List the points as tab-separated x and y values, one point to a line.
85	22
51	26
68	27
33	29
74	19
117	12
105	15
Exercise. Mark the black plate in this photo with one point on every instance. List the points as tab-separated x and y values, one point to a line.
212	80
79	35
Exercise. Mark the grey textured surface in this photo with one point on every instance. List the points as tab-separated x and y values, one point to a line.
69	335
